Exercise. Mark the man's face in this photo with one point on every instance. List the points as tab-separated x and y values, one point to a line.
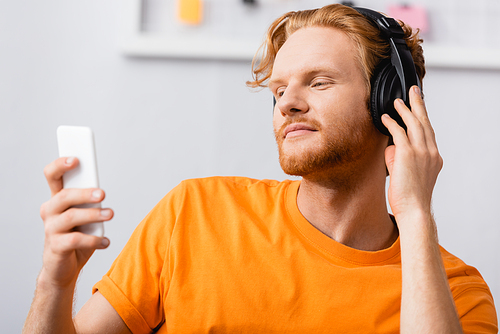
321	121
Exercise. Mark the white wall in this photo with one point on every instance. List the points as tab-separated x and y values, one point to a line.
158	121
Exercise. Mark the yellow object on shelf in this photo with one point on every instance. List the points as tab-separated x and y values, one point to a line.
190	11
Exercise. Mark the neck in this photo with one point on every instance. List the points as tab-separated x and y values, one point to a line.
350	210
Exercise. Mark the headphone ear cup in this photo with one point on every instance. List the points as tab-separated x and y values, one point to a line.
386	87
375	110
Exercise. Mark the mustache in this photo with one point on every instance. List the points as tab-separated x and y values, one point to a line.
296	120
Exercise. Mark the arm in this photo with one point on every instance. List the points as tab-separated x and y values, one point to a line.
65	253
414	163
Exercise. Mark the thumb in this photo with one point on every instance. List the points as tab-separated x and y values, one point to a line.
390	152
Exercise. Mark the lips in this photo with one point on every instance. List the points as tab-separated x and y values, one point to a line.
297	129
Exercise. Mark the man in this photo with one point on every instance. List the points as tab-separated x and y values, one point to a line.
258	256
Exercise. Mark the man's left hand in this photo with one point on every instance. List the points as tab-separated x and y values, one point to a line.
413	161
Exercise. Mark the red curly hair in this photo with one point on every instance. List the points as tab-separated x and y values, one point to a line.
372	47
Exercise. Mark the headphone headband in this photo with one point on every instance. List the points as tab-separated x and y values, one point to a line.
387	25
401	57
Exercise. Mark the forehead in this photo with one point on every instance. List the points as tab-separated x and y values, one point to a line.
314	49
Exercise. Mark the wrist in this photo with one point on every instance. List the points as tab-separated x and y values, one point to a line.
46	282
417	223
414	215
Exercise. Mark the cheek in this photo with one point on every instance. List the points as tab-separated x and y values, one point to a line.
359	105
277	121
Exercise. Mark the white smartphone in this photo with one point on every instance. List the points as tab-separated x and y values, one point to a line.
78	141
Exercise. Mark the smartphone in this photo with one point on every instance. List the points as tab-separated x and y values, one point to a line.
78	141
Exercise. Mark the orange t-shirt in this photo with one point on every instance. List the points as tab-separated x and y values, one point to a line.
235	255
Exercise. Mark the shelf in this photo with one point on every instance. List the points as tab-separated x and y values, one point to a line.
140	44
459	57
150	45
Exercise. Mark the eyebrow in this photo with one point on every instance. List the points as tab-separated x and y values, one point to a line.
273	83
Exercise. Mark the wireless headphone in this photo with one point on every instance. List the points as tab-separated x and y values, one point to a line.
393	77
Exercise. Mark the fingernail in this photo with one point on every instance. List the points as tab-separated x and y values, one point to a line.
106	213
400	101
97	193
105	242
69	160
416	90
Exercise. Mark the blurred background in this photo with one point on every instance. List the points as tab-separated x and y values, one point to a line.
164	107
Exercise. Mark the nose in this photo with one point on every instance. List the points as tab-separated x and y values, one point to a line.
292	102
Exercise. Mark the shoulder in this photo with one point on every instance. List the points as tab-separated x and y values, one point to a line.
216	188
459	272
224	195
210	192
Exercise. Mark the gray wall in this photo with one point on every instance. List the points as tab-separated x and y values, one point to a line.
159	121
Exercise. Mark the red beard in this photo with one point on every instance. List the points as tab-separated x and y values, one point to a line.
334	150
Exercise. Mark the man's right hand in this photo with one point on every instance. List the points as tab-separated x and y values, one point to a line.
66	251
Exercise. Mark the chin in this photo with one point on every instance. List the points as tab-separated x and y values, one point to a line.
304	161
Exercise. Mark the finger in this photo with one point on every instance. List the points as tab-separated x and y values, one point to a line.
390	153
415	130
70	242
67	198
417	104
397	132
55	170
74	217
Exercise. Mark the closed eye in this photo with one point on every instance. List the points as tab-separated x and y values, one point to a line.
321	83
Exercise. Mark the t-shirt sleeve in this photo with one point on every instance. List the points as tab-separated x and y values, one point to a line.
139	277
474	303
477	311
